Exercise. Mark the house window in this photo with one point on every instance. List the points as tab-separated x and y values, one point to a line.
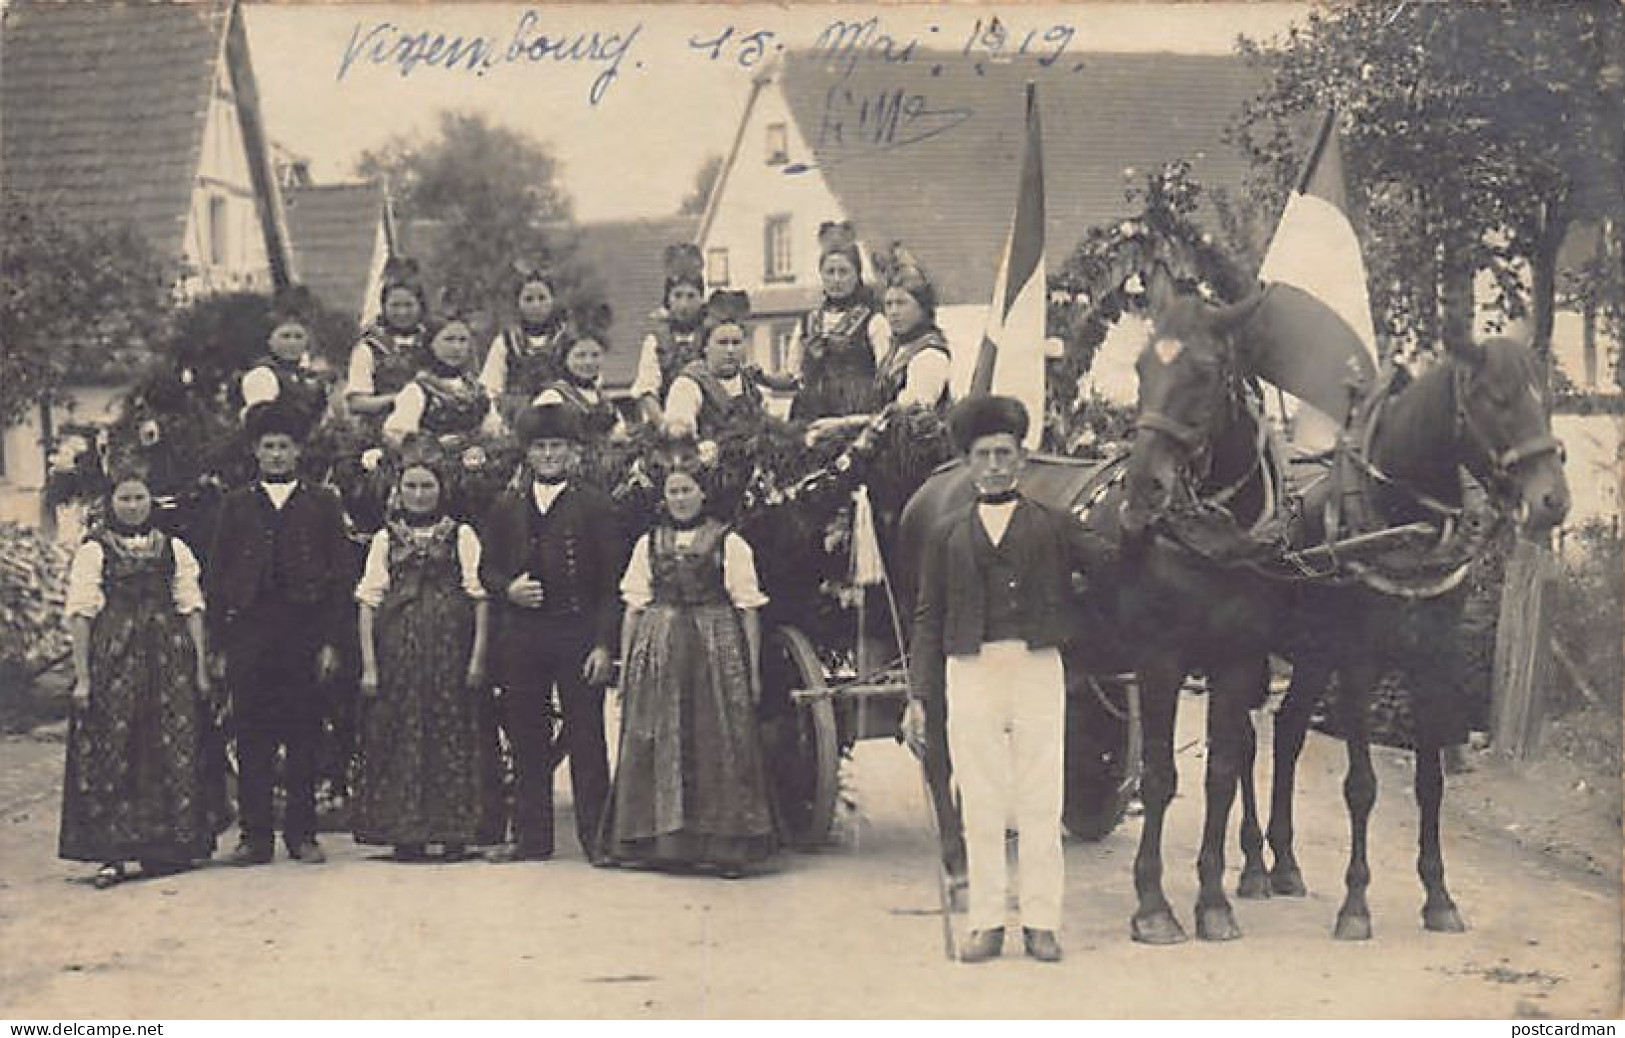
778	144
716	267
783	334
776	250
217	230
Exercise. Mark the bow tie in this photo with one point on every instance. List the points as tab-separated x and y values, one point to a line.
551	481
1003	497
279	481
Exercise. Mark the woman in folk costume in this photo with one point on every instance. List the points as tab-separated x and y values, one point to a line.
839	341
392	347
527	356
443	398
428	750
136	787
689	788
579	383
284	373
674	337
719	389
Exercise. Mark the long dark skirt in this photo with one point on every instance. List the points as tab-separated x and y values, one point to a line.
427	746
136	784
689	784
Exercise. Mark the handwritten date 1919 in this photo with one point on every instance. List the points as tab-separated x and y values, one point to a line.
993	40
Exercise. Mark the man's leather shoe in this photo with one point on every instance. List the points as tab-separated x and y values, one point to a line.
248	853
1042	944
309	851
982	946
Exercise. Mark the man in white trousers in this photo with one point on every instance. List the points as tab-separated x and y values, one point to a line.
993	610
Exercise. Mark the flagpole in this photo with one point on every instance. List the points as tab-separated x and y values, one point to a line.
1327	123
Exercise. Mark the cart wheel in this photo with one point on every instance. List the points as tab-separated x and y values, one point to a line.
1102	756
802	756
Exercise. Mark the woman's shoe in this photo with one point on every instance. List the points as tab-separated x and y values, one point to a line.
454	852
108	875
152	869
409	852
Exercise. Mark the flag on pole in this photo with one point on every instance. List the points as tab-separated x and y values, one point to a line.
1313	335
1011	359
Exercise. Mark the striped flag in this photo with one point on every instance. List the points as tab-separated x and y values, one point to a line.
1011	359
1313	336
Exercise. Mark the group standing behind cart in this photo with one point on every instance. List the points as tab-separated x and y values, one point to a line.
484	599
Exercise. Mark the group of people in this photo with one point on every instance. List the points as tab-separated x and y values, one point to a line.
512	620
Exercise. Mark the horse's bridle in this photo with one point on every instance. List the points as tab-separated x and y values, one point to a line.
1501	460
1197	465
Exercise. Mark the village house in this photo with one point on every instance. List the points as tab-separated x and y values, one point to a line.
340	236
146	113
927	151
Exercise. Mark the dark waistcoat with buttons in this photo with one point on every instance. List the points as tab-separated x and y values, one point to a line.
575	550
296	556
973	592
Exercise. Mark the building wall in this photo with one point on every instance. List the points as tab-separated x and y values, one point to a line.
756	190
224	245
23	482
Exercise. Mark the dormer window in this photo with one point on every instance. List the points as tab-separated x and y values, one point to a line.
778	144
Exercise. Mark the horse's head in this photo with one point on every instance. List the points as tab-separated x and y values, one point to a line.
1190	387
1504	425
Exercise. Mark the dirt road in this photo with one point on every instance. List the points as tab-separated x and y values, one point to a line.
849	932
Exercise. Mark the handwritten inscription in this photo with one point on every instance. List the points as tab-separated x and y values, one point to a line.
388	44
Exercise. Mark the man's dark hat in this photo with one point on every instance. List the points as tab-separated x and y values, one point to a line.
980	416
547	422
272	418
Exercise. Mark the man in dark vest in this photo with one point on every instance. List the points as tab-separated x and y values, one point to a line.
553	554
278	584
993	609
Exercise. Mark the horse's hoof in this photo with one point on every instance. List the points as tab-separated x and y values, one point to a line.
1352	927
1442	919
1159	927
1216	923
1254	885
1288	883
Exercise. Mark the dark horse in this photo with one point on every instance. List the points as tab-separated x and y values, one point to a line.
1160	611
1481	409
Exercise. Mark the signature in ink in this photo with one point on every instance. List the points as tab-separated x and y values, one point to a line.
853	123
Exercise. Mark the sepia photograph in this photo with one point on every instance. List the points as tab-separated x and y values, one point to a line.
812	511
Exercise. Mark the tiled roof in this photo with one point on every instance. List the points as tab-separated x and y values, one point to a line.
335	228
949	196
626	259
103	107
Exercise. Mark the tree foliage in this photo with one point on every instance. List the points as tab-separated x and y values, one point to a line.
79	302
705	179
495	197
1476	135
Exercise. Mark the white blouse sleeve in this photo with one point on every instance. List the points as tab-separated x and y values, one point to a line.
492	424
739	573
259	387
637	584
360	376
188	591
647	380
84	596
547	396
494	375
468	557
375	575
683	401
880	338
407	414
926	380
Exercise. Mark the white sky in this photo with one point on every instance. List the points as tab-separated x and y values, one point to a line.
670	105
